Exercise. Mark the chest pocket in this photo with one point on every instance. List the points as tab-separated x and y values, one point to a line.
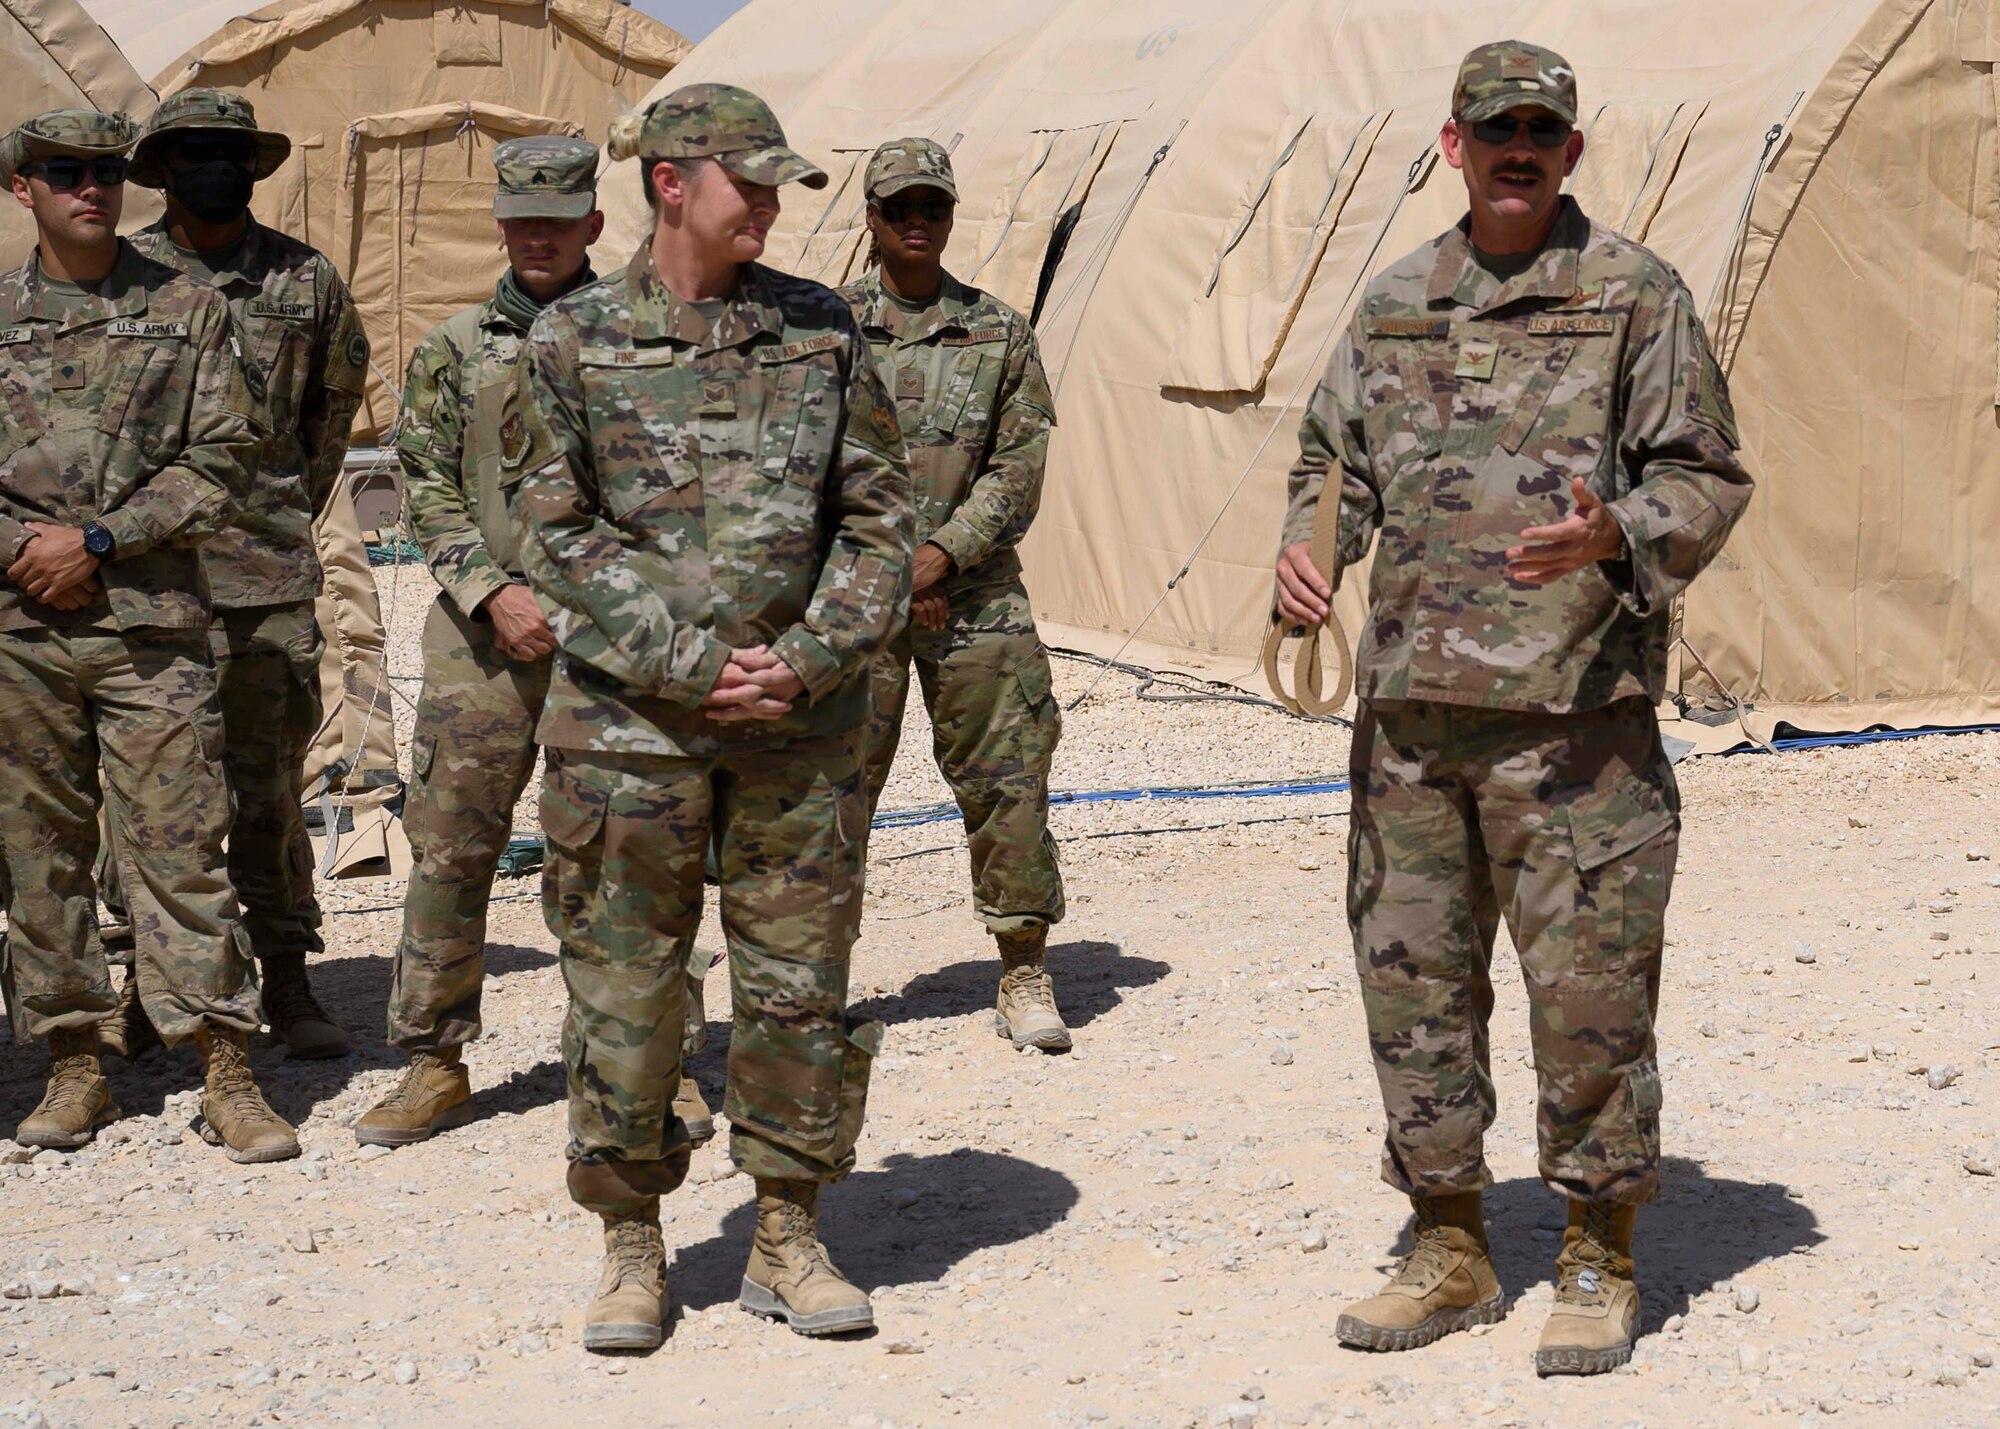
1400	410
488	409
640	405
965	395
20	418
1531	381
143	405
276	342
800	425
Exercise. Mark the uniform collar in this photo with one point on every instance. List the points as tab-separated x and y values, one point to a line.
1457	278
122	295
953	309
250	262
657	312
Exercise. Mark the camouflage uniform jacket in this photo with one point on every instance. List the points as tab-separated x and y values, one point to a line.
1456	411
976	415
132	412
680	491
449	443
306	359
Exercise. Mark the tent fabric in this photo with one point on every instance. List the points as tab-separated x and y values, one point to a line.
54	56
394	108
1823	173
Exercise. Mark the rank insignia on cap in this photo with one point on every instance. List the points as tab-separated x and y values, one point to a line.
1520	67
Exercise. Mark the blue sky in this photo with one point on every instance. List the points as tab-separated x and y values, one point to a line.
693	18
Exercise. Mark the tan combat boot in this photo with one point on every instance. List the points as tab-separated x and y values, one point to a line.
790	1277
692	1108
630	1304
295	1015
78	1100
1596	1314
434	1095
127	1033
234	1114
1025	1012
1445	1283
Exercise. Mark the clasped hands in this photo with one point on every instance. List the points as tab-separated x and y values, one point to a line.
54	568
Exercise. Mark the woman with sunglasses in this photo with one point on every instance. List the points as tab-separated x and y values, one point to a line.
1525	418
976	414
127	440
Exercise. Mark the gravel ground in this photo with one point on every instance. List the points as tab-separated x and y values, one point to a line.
1156	1230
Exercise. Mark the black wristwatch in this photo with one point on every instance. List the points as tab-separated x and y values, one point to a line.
98	540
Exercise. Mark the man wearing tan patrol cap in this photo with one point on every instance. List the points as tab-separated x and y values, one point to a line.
976	415
127	440
305	357
487	647
1526	416
708	483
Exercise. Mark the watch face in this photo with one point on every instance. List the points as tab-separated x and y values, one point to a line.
97	541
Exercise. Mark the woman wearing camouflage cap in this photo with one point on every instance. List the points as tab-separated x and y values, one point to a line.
976	415
708	483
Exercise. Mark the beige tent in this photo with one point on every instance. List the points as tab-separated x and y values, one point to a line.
394	107
53	56
1224	175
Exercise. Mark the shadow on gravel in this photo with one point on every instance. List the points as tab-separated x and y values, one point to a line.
966	1201
1702	1232
1090	979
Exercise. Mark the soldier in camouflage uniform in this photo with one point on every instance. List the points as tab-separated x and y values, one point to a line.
126	438
306	358
975	412
708	481
487	647
1527	412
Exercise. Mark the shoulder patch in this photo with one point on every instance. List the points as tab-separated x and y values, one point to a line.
1577	325
1408	327
625	357
971	339
11	335
176	329
513	438
792	351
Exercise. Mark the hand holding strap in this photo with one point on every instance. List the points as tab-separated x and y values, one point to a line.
1310	699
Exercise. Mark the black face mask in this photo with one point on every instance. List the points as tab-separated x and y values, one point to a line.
215	192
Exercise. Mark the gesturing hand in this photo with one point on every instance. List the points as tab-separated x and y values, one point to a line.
1586	536
519	627
754	684
1303	593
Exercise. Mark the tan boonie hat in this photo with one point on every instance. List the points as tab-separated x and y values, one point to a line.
910	164
66	133
730	125
195	110
1496	78
546	176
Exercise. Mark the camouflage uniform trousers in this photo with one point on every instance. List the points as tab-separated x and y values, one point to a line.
267	678
1566	825
472	756
143	703
628	838
994	728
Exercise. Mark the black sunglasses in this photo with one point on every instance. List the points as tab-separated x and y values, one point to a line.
209	148
1542	133
66	175
898	210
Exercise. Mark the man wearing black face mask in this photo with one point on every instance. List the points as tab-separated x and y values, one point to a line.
304	356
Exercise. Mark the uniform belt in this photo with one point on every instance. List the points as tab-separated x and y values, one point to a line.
1309	669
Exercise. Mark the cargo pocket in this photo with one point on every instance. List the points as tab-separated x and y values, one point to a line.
1623	843
573	816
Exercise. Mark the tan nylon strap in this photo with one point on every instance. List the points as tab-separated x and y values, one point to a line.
1310	698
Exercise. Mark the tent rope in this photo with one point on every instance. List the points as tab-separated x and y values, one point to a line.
1311	372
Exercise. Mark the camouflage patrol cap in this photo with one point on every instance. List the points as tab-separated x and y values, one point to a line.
546	176
908	164
203	110
66	133
730	125
1496	78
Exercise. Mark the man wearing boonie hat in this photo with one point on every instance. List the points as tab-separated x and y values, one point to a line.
1526	418
487	647
708	483
976	414
130	439
305	358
